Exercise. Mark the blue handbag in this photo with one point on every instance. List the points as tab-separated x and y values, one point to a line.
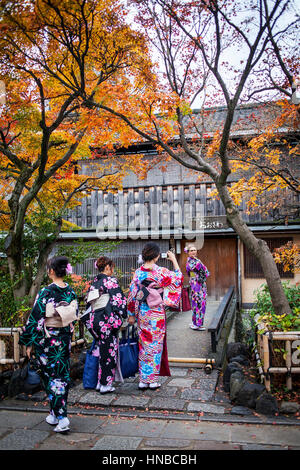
90	371
33	372
129	354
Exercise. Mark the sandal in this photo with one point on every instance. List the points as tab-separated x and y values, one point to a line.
143	386
154	386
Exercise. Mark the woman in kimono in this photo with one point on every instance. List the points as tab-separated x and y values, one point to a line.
153	358
197	273
52	345
108	309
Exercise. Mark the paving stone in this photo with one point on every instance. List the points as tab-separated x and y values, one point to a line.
241	410
214	445
162	403
70	441
4	431
181	382
208	384
132	427
164	391
39	396
95	398
196	394
22	439
81	423
129	389
136	402
178	372
163	379
207	431
262	447
19	419
257	435
200	374
206	408
75	394
167	443
117	443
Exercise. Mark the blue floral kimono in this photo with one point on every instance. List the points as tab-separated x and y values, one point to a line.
153	358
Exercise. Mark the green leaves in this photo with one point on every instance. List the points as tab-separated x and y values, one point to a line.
267	316
80	250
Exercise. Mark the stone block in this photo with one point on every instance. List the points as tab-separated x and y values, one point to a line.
266	404
231	367
181	382
248	394
236	349
161	403
289	407
117	443
206	408
237	381
23	439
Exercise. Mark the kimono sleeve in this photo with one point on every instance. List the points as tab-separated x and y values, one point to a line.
33	331
188	268
74	297
201	267
169	278
131	301
117	298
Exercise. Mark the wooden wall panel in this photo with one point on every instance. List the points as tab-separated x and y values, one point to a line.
220	257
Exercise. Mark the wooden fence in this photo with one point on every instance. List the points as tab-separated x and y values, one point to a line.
265	350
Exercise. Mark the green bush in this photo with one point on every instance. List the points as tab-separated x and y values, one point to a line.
12	313
265	311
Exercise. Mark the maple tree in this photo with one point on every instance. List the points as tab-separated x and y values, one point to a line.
55	56
197	44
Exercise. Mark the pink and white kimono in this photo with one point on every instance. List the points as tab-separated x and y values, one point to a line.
153	356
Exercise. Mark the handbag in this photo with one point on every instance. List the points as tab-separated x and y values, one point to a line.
33	372
90	371
129	353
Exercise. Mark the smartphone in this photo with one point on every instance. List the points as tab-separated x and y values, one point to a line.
164	255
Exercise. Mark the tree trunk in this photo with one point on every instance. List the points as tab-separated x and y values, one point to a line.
14	252
259	249
41	263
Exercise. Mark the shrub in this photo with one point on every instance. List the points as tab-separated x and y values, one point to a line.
265	311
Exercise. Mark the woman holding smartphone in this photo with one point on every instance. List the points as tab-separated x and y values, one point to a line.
153	358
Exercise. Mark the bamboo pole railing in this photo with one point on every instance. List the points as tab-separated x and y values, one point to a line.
19	352
195	360
263	343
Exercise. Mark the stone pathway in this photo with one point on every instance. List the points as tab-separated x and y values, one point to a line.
189	412
189	391
186	390
29	431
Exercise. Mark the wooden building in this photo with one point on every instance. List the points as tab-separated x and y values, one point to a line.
173	208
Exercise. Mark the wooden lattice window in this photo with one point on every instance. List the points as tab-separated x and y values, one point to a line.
252	268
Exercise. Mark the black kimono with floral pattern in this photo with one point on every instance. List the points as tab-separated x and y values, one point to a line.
53	352
105	323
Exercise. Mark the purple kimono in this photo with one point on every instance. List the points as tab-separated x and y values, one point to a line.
197	273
